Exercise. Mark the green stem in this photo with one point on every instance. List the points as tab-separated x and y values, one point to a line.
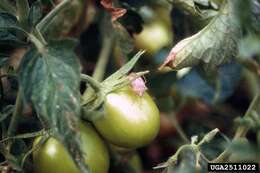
179	129
103	59
44	138
241	130
15	116
101	64
23	12
90	93
24	136
217	91
46	21
253	82
39	35
8	7
39	45
90	80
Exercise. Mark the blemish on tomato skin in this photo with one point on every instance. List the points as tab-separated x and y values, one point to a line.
137	84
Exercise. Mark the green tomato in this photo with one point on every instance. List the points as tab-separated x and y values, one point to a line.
52	156
153	37
129	120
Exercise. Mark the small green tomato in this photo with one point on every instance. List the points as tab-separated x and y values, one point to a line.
52	156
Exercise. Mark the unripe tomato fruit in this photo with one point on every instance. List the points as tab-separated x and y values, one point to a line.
129	120
52	156
153	37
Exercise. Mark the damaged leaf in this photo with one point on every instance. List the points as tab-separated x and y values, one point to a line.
193	8
50	80
214	45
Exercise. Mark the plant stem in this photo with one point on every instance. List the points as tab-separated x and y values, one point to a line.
94	84
241	130
23	12
46	21
39	35
39	45
7	6
17	111
101	64
217	91
253	83
179	129
25	136
103	59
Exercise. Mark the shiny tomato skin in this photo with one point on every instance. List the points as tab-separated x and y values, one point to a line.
129	120
52	157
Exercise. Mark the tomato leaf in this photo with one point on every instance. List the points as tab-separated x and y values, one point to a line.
50	81
5	112
115	12
60	20
7	6
248	15
214	45
192	7
124	70
9	29
7	20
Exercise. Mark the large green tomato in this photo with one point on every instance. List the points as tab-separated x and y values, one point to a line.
130	120
52	156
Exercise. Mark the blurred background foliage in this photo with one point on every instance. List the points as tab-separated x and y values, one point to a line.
192	101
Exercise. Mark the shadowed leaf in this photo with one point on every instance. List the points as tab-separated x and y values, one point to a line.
9	29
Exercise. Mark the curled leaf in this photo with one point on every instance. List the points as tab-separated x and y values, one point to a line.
115	12
214	45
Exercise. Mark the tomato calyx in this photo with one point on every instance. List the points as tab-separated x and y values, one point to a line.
96	92
96	96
